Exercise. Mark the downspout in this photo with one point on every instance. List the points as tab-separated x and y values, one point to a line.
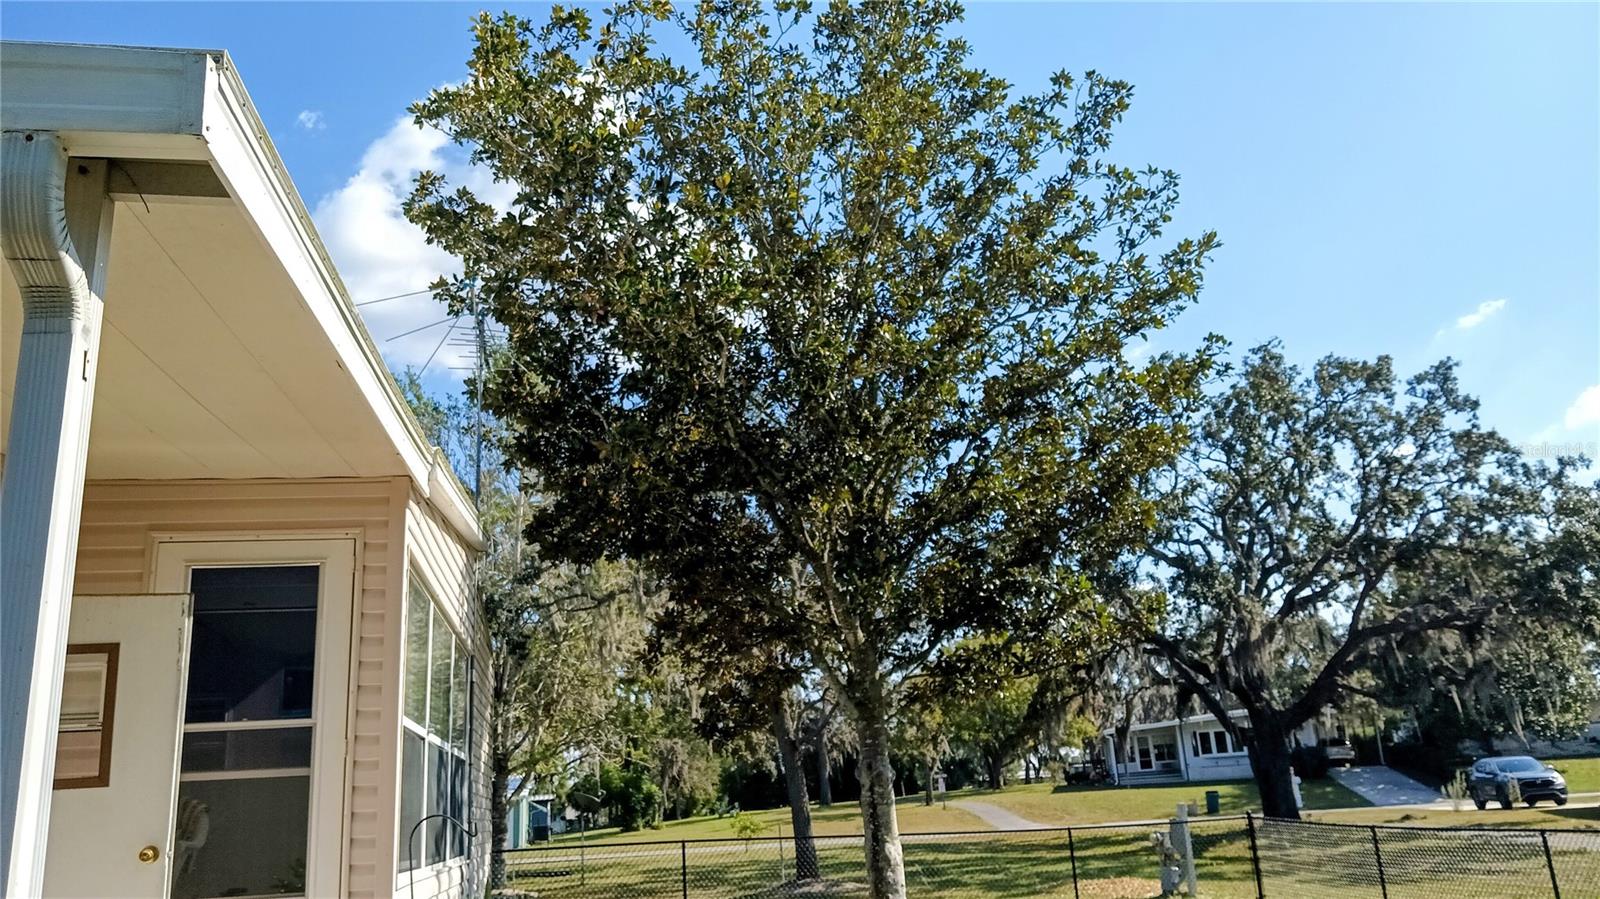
48	218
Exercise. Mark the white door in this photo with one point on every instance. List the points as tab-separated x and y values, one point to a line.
261	783
117	756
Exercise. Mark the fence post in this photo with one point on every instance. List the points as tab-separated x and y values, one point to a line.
683	855
1555	885
1182	828
1377	855
1072	852
1255	853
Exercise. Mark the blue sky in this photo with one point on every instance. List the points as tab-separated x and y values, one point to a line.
1420	180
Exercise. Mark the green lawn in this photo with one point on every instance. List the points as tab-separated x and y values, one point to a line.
840	820
1583	775
1056	806
1545	815
1062	805
1115	863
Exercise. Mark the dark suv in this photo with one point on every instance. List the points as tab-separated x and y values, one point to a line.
1491	779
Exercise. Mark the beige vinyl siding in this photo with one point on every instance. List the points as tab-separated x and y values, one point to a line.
120	522
438	556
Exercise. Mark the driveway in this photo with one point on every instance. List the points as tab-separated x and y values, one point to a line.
1383	786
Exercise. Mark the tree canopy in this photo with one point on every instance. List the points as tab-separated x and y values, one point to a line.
821	295
1318	518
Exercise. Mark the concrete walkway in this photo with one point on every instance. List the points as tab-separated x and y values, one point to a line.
997	817
1383	786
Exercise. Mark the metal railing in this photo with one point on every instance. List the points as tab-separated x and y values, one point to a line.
1236	857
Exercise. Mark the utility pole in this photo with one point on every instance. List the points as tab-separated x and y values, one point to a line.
480	352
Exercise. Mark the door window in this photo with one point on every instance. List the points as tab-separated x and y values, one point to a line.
245	774
88	707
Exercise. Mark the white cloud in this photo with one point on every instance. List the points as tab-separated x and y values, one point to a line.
1585	410
380	254
310	119
1485	310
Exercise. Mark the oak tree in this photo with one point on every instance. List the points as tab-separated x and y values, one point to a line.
1319	517
816	292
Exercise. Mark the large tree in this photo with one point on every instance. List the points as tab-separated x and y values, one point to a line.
1317	518
821	294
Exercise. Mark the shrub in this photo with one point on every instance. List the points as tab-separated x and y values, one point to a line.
746	825
1456	790
630	799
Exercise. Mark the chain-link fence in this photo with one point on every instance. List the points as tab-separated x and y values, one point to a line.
1240	857
1349	861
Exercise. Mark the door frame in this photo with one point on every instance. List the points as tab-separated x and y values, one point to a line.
1144	751
338	556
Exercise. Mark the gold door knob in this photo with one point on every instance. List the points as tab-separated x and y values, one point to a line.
149	854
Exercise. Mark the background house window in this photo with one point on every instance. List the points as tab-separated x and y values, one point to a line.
1214	741
435	733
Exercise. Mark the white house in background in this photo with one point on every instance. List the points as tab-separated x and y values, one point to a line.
239	655
1193	748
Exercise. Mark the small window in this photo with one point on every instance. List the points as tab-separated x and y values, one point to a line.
1205	743
88	706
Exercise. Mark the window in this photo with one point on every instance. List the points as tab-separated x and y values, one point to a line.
1213	741
88	704
435	732
244	791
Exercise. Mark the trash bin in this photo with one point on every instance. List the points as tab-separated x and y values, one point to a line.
1213	802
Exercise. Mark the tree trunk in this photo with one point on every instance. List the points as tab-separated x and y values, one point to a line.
886	875
927	783
997	771
498	776
824	769
1269	759
794	779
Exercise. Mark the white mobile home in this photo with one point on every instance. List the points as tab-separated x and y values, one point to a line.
1192	748
240	652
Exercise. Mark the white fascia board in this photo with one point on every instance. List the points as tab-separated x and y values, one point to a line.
247	163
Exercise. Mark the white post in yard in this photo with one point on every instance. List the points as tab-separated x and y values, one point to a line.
1186	846
55	231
